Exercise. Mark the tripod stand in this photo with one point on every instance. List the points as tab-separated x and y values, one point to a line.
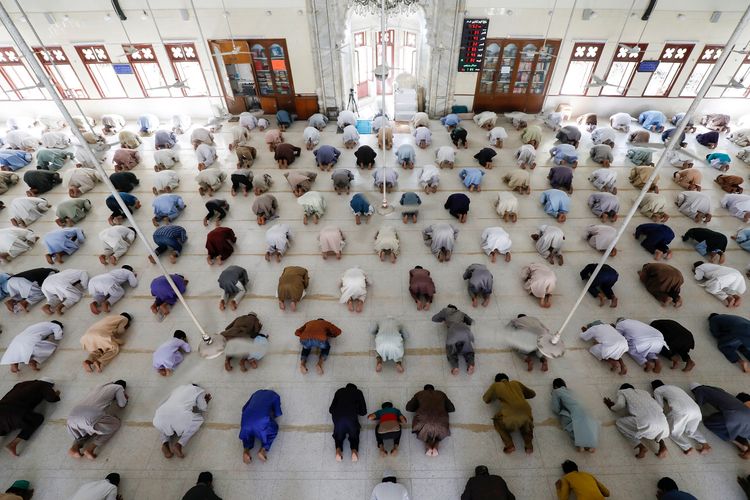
352	104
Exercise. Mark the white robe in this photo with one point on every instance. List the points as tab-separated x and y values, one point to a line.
164	179
180	123
526	154
55	140
116	240
603	134
202	135
496	239
311	135
604	179
109	286
49	122
497	134
720	281
176	415
646	418
16	122
389	491
240	135
27	209
58	288
166	158
445	154
600	236
248	120
84	416
609	343
277	238
621	121
353	285
644	341
684	415
737	204
506	202
96	490
33	343
205	154
429	176
16	240
313	203
692	202
386	239
210	178
423	134
441	236
115	122
85	179
20	139
389	339
550	238
485	118
345	118
350	134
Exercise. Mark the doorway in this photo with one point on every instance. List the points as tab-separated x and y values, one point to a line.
364	50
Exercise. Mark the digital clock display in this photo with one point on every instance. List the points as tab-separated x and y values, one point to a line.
473	39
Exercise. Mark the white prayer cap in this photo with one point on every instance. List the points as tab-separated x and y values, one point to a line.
47	379
693	385
388	473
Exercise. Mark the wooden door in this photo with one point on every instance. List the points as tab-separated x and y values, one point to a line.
227	68
515	75
273	75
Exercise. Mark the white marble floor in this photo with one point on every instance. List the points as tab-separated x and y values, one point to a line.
301	464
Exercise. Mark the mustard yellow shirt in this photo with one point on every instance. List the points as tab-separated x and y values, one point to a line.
584	485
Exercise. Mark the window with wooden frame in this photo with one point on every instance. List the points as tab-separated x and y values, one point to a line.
741	76
15	76
581	66
671	61
99	66
63	76
147	70
621	72
187	68
706	61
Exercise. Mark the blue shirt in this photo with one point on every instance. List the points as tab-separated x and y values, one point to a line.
168	205
471	176
171	232
564	153
127	198
14	159
743	239
161	290
450	120
360	205
326	154
164	138
4	277
652	118
555	201
405	152
260	410
283	117
677	495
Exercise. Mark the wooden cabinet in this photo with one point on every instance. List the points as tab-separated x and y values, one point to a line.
515	74
273	74
306	104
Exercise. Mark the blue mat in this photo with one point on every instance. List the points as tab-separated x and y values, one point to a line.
364	126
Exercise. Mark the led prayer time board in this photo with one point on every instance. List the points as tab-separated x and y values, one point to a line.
473	39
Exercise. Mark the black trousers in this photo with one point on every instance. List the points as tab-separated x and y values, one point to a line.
345	428
215	210
27	422
241	180
394	435
604	287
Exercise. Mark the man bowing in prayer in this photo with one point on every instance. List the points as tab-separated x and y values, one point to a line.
574	419
459	340
89	422
663	282
645	419
731	421
431	423
179	418
17	410
479	281
441	238
723	282
316	334
515	412
347	406
259	422
608	346
33	346
684	416
733	337
645	343
421	287
103	340
107	289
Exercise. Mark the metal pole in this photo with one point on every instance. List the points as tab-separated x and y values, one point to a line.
384	204
550	343
208	52
44	80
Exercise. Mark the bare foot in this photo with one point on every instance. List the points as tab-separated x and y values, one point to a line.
88	366
705	449
177	450
470	370
454	371
355	456
246	458
166	450
509	449
303	368
339	457
74	451
642	450
262	455
379	366
319	367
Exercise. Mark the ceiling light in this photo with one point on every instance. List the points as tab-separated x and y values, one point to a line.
300	12
268	12
144	16
184	14
107	17
66	18
588	14
50	18
681	16
715	15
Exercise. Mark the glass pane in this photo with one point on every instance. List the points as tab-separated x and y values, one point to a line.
191	72
523	74
72	87
150	76
505	73
577	77
662	78
277	51
491	56
259	57
280	72
619	76
107	80
698	76
543	64
740	76
20	78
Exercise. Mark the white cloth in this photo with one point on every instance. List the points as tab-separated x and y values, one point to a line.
180	123
311	135
423	134
27	209
497	134
644	341
603	134
389	340
33	343
445	154
621	121
16	240
96	490
609	343
109	286
83	418
85	179
485	118
205	154
202	135
116	240
420	119
737	204
389	491
58	288
386	239
550	240
496	239
526	154
506	202
345	118
353	285
429	176
646	418
248	120
210	178
20	139
684	415
313	203
277	238
166	158
176	415
439	237
692	202
720	281
240	135
600	236
164	179
604	179
350	134
55	140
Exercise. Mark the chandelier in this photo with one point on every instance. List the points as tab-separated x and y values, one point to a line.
374	7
